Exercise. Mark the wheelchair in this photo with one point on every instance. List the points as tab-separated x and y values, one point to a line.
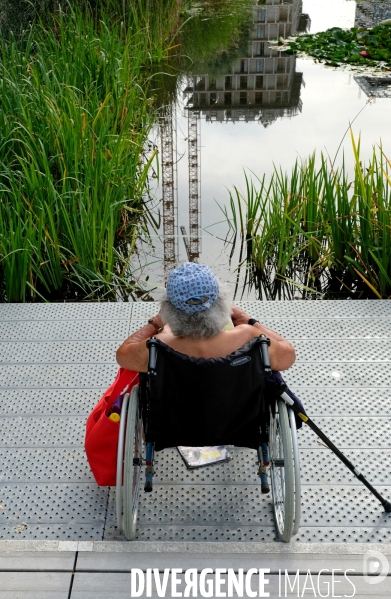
228	403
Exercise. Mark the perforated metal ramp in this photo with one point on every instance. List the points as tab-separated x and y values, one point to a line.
57	359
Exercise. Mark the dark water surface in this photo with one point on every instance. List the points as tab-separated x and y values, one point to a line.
258	108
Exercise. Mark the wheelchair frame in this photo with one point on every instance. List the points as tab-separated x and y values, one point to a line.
279	454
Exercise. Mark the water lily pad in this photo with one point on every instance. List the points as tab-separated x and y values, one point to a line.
347	46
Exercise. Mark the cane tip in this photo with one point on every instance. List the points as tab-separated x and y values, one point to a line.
387	506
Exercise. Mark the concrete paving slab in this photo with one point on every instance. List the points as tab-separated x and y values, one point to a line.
40	431
64	330
348	401
24	585
329	329
58	352
41	376
124	562
193	548
338	374
66	311
93	585
37	561
74	511
47	502
24	464
34	594
67	531
49	401
254	533
224	547
322	351
41	594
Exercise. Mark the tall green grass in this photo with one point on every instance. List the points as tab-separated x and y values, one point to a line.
74	120
325	227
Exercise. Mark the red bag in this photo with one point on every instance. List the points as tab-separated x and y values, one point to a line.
101	438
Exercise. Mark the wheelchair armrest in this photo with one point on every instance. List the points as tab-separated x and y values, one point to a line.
265	342
152	356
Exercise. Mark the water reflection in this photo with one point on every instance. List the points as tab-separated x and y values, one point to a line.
167	160
263	84
321	111
374	87
369	14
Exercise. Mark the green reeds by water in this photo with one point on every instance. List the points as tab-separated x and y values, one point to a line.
319	228
74	120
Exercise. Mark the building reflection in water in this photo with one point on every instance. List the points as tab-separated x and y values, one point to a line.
262	86
369	14
168	178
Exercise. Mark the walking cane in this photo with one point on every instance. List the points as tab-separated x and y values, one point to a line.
288	400
281	389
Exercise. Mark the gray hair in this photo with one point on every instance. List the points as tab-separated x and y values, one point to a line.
199	325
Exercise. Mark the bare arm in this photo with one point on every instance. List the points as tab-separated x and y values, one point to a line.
282	353
133	353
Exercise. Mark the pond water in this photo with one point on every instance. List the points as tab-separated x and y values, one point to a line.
265	108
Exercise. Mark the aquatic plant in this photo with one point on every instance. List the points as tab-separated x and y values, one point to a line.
319	227
337	46
74	120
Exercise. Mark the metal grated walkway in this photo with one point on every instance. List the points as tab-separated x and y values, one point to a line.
57	359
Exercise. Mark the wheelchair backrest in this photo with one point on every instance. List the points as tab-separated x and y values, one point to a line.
194	401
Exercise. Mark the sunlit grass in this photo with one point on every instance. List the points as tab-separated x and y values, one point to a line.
332	224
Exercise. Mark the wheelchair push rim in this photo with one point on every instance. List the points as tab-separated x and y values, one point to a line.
130	460
282	471
296	463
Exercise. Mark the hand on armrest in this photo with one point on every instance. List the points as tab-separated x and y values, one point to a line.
133	353
282	353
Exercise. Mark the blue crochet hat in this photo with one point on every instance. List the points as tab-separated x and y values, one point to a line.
192	287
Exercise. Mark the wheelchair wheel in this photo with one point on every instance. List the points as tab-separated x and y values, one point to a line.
282	471
127	497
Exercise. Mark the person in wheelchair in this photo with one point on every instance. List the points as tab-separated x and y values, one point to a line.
192	321
202	384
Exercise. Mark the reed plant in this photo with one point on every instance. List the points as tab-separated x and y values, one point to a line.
74	120
323	227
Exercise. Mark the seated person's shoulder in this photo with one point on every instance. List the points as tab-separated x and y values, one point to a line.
241	334
245	330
